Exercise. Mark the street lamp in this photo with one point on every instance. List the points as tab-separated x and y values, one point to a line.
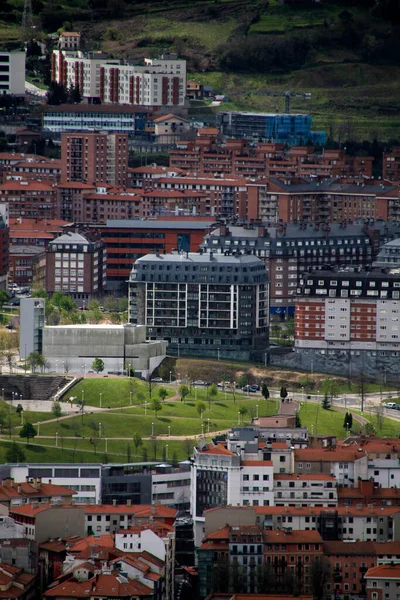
169	430
257	410
152	430
166	451
208	424
106	445
265	359
302	389
202	429
100	430
238	417
130	398
38	428
170	377
56	439
100	398
83	396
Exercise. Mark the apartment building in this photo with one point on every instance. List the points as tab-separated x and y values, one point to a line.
343	523
29	199
345	465
383	582
31	491
159	82
249	552
305	490
383	464
45	170
347	322
223	477
83	480
44	521
108	518
391	164
289	251
207	156
220	303
274	438
35	232
94	158
126	240
76	265
369	492
224	198
131	120
12	73
69	197
27	265
143	177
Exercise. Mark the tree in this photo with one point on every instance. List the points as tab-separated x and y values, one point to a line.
379	417
137	441
150	385
94	316
298	420
200	407
28	431
320	575
156	406
289	329
188	447
242	411
94	305
326	403
56	94
346	421
265	391
212	393
145	454
242	380
163	393
98	365
15	454
56	409
183	391
35	360
154	447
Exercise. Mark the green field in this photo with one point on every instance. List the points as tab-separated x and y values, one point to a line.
115	392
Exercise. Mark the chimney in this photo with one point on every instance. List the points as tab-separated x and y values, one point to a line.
114	502
129	502
19	488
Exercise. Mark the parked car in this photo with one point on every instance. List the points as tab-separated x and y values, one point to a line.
200	382
157	380
390	405
250	388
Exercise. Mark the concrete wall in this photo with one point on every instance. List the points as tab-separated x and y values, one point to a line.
75	347
59	522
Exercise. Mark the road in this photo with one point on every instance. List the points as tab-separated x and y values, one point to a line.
30	88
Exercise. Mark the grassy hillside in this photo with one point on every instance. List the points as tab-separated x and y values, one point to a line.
340	52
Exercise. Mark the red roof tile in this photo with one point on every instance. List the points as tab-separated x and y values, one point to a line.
386	572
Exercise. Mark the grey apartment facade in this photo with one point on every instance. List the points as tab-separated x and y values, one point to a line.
204	304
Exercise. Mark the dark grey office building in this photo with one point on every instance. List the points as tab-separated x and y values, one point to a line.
122	482
204	304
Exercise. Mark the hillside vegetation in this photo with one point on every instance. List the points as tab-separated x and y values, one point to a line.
345	53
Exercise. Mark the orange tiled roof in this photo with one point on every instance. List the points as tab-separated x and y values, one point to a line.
337	455
383	572
256	463
218	448
304	477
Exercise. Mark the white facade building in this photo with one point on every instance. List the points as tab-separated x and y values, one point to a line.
137	540
85	480
12	73
221	477
159	82
305	490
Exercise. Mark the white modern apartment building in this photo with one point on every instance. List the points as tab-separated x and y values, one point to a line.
85	479
12	73
159	82
221	477
305	490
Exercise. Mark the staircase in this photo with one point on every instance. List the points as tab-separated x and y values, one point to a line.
31	387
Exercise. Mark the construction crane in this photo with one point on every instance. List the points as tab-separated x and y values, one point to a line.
288	95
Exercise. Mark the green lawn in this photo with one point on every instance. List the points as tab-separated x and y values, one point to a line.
43	454
115	392
321	421
9	418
